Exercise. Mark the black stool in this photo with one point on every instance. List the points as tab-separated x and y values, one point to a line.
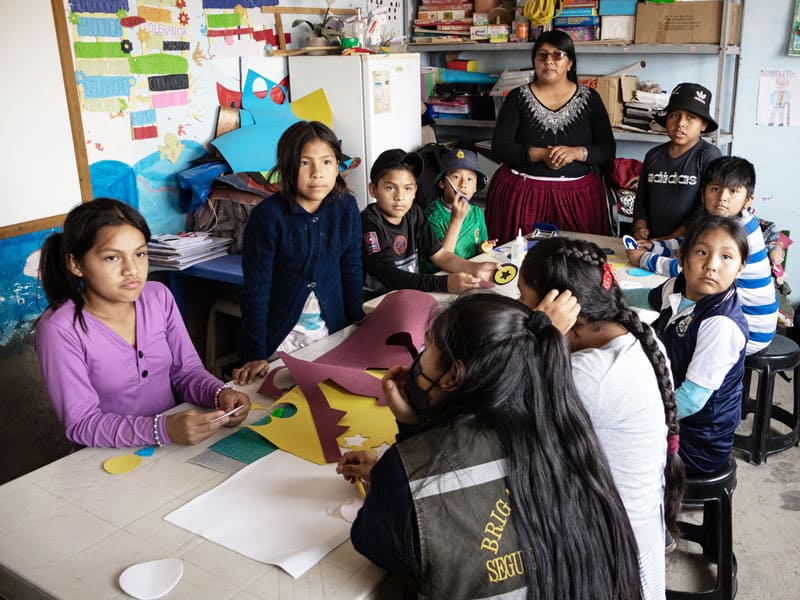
782	354
714	494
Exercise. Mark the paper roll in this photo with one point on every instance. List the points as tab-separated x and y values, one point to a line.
631	68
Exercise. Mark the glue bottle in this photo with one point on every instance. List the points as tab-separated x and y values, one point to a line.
518	248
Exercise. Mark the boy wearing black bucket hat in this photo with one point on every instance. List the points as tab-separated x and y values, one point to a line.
459	225
669	184
396	235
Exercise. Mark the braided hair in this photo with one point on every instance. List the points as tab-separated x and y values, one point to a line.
581	267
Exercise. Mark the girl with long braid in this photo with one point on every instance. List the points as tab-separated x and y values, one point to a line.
624	381
498	486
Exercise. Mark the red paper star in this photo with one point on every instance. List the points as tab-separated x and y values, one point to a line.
183	18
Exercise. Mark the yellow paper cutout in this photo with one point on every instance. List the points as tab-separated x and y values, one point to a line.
298	434
122	464
313	107
257	406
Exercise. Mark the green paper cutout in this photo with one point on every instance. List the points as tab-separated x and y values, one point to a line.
245	445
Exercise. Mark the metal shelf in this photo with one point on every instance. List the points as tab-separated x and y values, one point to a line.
592	48
621	135
487	124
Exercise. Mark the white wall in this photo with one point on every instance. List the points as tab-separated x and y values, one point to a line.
773	150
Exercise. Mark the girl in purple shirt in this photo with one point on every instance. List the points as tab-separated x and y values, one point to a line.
112	346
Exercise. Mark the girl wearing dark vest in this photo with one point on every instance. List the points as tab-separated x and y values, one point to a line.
624	382
498	484
705	333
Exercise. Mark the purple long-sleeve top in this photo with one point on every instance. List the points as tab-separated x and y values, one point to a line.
106	392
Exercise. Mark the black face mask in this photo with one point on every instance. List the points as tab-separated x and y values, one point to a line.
419	399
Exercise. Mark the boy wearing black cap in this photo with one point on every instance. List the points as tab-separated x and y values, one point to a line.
459	225
669	184
396	234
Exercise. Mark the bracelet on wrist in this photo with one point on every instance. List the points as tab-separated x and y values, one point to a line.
218	392
157	437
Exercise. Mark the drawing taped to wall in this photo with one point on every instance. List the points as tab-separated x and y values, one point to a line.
779	98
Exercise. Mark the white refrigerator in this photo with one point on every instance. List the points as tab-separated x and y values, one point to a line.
375	101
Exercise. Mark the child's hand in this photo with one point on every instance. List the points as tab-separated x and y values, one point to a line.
562	308
641	233
249	370
460	208
192	427
484	269
230	399
645	244
634	256
458	282
392	383
356	465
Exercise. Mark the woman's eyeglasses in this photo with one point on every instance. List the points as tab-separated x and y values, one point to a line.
556	55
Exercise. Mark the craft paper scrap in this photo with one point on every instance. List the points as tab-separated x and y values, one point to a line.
244	445
361	416
287	512
383	338
122	464
153	579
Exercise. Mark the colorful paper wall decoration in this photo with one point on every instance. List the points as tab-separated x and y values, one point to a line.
253	147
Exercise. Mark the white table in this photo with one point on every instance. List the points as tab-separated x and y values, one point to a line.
603	241
68	529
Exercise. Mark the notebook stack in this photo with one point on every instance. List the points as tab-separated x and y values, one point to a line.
579	19
182	250
640	111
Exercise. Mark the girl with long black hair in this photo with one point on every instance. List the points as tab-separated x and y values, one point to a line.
623	379
498	484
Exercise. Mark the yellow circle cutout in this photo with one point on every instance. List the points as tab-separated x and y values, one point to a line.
505	273
122	464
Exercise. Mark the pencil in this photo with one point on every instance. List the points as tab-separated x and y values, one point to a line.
360	485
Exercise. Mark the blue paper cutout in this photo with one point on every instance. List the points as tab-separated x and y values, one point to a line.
146	451
637	272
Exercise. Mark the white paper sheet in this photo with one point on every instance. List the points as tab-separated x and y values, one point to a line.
280	510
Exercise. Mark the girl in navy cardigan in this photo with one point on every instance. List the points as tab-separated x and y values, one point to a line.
301	253
704	331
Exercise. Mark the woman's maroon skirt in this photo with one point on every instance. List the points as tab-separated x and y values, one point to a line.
516	202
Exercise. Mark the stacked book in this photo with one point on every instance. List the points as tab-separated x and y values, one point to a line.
182	250
641	110
579	19
443	18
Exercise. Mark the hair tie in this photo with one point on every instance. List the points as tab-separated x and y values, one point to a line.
673	444
537	322
609	276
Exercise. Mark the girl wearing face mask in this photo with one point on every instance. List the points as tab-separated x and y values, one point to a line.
497	484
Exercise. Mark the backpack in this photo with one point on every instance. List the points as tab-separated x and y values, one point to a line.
427	190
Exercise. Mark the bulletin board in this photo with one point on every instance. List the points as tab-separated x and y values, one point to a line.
44	171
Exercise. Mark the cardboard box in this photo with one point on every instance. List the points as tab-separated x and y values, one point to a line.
685	23
613	92
480	32
617	27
